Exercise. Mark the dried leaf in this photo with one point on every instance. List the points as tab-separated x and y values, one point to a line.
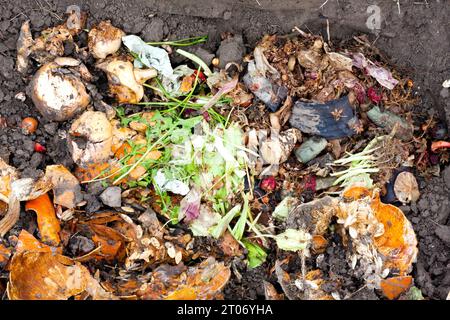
48	223
319	244
48	276
24	44
230	246
392	288
26	242
271	293
5	253
110	241
201	282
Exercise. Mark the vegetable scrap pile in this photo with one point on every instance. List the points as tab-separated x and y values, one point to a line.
293	159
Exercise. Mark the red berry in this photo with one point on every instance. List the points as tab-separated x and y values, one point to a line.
201	76
373	95
39	148
268	184
310	183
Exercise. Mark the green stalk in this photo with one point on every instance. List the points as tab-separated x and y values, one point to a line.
197	60
182	42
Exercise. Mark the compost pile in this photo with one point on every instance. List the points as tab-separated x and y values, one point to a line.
188	171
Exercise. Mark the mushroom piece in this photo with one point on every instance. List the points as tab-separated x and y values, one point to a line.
57	90
90	138
125	81
104	39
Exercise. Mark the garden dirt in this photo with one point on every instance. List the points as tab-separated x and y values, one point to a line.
413	34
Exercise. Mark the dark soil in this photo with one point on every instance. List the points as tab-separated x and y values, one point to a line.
416	40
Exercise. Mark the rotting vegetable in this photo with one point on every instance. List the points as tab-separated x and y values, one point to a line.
59	93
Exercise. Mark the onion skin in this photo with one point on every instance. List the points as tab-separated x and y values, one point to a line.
94	131
104	39
125	82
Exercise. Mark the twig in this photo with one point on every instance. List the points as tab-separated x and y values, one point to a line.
323	4
398	6
328	32
352	294
19	14
302	33
423	2
48	11
303	270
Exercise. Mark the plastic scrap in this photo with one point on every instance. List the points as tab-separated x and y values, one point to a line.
310	149
388	120
383	76
332	120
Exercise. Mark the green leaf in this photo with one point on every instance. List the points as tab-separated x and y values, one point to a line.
256	255
239	227
415	294
293	240
283	208
223	224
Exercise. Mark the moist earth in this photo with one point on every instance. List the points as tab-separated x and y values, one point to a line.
413	34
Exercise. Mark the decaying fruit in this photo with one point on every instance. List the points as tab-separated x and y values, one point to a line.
125	81
104	39
90	138
29	125
57	92
379	237
397	243
392	288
